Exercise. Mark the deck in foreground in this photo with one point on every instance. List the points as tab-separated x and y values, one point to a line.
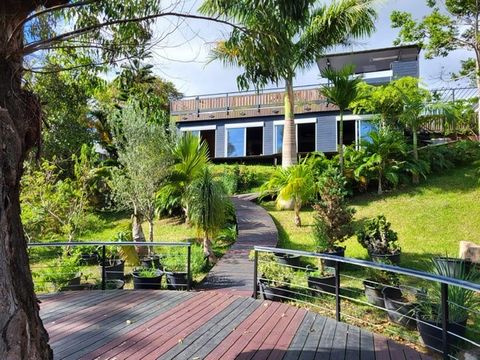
131	324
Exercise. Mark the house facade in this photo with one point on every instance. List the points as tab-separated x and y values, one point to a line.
250	124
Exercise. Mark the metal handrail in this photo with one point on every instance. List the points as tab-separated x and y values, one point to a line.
378	266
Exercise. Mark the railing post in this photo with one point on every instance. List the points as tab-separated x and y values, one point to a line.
104	273
444	300
228	104
189	258
337	291
255	275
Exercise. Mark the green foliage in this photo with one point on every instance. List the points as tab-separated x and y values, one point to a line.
227	235
144	153
147	272
342	88
190	157
333	215
380	279
242	178
275	273
206	201
58	273
175	259
377	237
460	300
294	183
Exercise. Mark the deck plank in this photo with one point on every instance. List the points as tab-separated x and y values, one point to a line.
381	347
339	342
326	341
353	343
313	339
367	348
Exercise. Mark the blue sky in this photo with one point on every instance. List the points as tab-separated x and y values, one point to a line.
182	56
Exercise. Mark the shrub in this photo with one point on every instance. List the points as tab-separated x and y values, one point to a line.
333	216
377	237
273	272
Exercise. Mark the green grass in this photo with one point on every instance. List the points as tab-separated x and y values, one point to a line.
253	175
431	219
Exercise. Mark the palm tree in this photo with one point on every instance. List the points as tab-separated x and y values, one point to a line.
341	91
276	38
190	157
384	148
206	208
292	184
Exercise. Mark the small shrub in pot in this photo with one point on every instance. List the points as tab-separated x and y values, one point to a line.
377	282
147	278
275	278
380	240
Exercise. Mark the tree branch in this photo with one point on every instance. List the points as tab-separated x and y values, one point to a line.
41	44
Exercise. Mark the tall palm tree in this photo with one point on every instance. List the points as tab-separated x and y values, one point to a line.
207	203
292	184
341	91
276	38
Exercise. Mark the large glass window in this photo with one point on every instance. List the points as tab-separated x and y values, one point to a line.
278	139
366	127
306	137
349	136
236	142
254	141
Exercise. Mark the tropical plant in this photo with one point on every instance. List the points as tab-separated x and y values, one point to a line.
206	201
274	273
333	216
341	90
383	150
59	272
144	152
190	156
295	184
377	237
301	31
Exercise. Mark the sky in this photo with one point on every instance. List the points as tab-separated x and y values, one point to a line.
182	56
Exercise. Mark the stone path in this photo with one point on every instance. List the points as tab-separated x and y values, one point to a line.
234	272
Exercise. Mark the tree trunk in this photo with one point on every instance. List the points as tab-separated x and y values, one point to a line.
298	221
415	177
207	249
150	230
477	78
23	335
340	142
289	147
137	233
380	190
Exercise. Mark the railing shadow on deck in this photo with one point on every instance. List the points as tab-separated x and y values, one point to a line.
427	306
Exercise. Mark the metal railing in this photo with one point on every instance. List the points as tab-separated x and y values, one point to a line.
445	333
110	268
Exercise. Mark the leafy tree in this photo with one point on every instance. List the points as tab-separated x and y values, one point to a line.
295	184
207	203
300	31
144	154
94	33
341	91
384	149
451	25
190	157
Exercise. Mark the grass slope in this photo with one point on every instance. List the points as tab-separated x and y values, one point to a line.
431	219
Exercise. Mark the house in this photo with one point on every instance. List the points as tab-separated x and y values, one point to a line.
246	125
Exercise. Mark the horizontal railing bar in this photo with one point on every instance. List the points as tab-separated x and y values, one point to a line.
369	264
111	243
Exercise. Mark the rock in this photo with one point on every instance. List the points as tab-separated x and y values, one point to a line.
470	251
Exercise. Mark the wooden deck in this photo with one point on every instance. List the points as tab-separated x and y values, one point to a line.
127	324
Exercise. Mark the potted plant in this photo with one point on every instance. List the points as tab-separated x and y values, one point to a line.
275	279
147	278
400	309
377	282
321	281
177	278
287	259
460	300
151	261
333	216
380	240
455	266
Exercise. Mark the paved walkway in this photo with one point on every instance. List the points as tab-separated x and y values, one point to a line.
234	272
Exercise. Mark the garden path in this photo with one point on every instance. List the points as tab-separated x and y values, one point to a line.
234	272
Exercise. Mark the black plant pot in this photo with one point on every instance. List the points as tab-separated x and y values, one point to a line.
114	284
147	283
339	251
286	259
325	284
274	293
89	259
393	259
453	266
399	310
177	280
152	261
432	336
374	294
73	284
114	270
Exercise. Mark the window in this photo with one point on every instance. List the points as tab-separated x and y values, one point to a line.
235	142
349	132
278	145
366	127
306	137
246	140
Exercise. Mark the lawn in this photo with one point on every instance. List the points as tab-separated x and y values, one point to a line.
431	219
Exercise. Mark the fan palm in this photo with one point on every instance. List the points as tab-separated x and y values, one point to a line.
278	37
341	91
292	184
207	201
383	150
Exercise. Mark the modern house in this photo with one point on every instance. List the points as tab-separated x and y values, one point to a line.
250	124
